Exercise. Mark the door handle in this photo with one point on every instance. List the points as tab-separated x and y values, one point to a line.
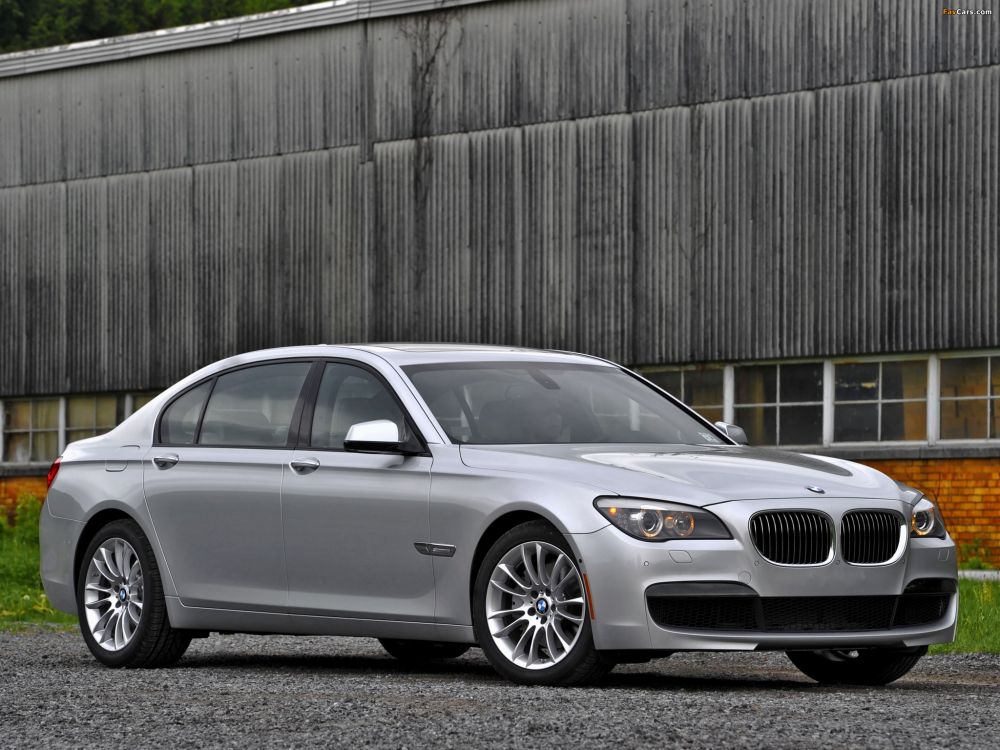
304	465
165	462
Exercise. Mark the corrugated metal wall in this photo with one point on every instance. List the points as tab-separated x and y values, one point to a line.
648	180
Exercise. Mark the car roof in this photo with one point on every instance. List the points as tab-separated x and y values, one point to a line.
412	353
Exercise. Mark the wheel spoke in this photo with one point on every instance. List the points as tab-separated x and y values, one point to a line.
569	577
514	578
119	630
506	613
127	627
510	627
536	639
506	590
540	565
531	572
102	567
566	644
120	557
552	642
567	616
524	644
98	589
134	612
98	603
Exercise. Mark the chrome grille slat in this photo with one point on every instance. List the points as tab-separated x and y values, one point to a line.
870	537
792	537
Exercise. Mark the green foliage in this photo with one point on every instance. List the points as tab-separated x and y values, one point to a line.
28	24
975	555
978	618
21	597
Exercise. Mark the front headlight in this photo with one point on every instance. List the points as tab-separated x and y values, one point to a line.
926	520
655	521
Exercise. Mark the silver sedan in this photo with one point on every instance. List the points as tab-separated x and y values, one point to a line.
557	510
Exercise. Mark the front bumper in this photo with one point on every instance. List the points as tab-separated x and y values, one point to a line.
621	570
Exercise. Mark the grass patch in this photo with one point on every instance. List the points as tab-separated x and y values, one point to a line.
23	603
978	618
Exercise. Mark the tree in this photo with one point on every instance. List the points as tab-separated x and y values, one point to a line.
29	24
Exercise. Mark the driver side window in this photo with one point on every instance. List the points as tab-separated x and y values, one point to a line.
349	395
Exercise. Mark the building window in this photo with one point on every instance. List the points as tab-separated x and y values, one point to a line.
87	416
780	404
970	398
880	401
139	400
701	389
31	430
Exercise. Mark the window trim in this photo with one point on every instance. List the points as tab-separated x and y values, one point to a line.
213	378
303	440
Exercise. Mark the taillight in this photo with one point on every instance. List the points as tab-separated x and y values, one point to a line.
53	470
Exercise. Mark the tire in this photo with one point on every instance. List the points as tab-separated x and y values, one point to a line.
141	635
421	652
876	666
563	653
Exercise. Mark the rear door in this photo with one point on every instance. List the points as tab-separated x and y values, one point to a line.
213	486
352	519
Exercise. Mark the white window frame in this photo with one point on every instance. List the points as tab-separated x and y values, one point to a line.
829	369
973	354
60	428
880	359
778	404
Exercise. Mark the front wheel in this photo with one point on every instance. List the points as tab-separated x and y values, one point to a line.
530	610
119	595
874	666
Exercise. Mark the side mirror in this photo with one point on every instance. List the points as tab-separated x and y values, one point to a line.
735	433
378	436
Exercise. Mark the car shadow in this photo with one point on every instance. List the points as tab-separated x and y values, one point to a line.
475	668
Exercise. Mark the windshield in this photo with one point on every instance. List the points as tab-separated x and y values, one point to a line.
490	403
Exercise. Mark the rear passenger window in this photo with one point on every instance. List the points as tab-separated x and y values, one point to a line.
180	421
253	406
347	396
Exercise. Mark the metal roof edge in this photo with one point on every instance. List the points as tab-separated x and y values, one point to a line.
212	33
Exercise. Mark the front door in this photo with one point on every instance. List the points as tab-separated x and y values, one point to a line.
213	487
352	519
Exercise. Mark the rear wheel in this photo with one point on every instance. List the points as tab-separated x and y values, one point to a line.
123	615
875	666
530	610
417	652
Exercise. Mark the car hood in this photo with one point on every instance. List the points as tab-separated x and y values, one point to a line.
699	475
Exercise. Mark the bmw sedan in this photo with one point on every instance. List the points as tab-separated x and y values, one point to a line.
556	510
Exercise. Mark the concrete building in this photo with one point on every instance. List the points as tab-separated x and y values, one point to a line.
786	213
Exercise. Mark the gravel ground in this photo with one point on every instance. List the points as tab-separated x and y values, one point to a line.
248	691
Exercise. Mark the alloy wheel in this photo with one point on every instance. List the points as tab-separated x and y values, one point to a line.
113	594
535	605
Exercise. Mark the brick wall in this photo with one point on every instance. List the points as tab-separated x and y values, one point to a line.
968	493
13	487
